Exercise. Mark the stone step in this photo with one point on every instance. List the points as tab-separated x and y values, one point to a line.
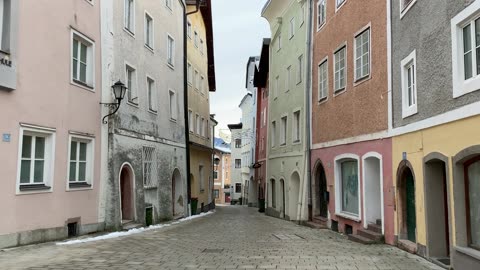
374	236
375	228
319	219
360	239
315	225
379	222
131	225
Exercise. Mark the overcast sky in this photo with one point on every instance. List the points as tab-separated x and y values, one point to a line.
238	32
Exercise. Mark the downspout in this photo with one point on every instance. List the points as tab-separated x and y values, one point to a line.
308	113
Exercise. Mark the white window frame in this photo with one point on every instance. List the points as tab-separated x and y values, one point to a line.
338	183
202	85
149	35
288	80
279	42
132	96
49	157
405	9
151	95
322	97
355	56
196	79
464	18
405	64
189	29
300	69
90	69
202	127
339	4
170	51
291	28
152	179
276	88
173	104
129	28
90	163
191	124
197	124
2	10
273	133
189	74
302	14
296	130
283	130
195	38
341	89
169	4
321	17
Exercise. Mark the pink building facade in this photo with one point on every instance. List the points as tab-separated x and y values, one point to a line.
50	88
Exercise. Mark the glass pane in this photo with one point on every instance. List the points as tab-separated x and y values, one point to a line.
73	151
83	152
83	53
467	39
478	61
474	203
349	187
477	32
467	59
75	49
25	171
75	69
38	171
73	171
83	72
27	147
39	147
82	171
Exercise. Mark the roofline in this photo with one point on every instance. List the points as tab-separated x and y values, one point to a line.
235	126
206	11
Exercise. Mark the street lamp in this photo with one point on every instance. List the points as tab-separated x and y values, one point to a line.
119	89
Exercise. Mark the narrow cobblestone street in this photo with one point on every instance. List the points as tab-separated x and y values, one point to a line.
232	238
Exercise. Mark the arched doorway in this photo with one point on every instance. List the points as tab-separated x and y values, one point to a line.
406	205
436	203
320	192
177	195
282	199
293	196
372	176
127	194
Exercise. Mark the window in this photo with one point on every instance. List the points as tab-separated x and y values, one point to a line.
130	15
207	128
215	174
202	84
197	124
173	104
189	29
264	116
148	31
273	132
5	18
321	13
300	69
302	15
276	88
203	127
196	81
168	4
323	81
216	193
340	71
170	51
409	87
189	74
152	95
296	126
283	131
405	6
190	121
238	143
362	55
291	31
35	159
273	192
80	171
201	173
238	163
195	38
289	78
472	186
201	46
82	60
279	42
131	79
149	166
340	3
238	188
349	186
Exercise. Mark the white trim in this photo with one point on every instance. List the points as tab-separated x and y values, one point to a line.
154	95
90	170
135	85
337	92
90	71
337	7
410	60
299	141
364	29
361	138
175	116
150	46
320	26
323	61
291	28
404	10
171	65
338	198
460	85
128	30
389	64
133	189
380	159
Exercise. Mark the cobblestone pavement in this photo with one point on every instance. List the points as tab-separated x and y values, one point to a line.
234	237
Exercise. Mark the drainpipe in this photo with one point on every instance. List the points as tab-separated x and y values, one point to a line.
308	113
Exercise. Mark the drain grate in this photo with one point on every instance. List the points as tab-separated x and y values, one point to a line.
213	250
288	237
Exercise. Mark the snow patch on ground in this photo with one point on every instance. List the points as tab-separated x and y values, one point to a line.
132	231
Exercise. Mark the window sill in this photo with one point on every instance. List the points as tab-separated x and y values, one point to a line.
79	185
296	142
170	65
407	8
362	80
322	100
299	82
337	8
321	27
152	111
149	48
82	85
339	91
469	252
34	187
173	120
133	104
5	52
407	112
130	33
348	216
149	187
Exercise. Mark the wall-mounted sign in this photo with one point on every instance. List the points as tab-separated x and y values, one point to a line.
404	156
6	137
6	62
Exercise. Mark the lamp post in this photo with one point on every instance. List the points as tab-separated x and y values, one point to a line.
119	89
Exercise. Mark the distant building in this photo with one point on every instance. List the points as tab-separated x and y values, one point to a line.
237	185
221	172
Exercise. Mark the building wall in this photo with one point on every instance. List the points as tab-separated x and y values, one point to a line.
248	144
261	138
53	102
235	173
362	108
223	169
200	157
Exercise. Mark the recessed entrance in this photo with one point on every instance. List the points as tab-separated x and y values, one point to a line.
177	194
293	196
373	190
320	193
436	202
282	199
126	194
406	205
